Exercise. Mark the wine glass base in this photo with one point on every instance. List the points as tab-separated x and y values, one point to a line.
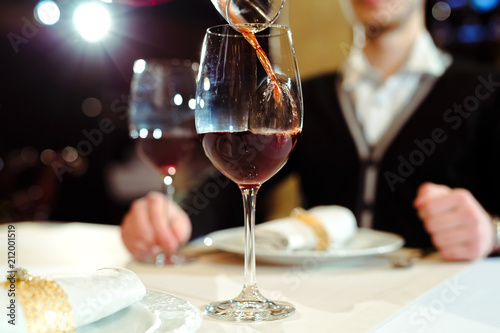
249	311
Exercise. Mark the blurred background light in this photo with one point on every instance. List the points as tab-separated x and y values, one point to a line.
134	134
484	5
47	12
457	3
91	107
139	66
441	11
47	156
69	154
92	21
206	84
143	133
471	33
178	99
157	133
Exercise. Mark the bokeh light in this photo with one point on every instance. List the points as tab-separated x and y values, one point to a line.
178	99
195	66
139	66
48	156
47	12
157	133
134	134
192	103
69	154
471	33
143	133
91	107
441	11
92	20
484	5
167	180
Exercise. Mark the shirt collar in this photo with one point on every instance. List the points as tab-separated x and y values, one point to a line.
425	58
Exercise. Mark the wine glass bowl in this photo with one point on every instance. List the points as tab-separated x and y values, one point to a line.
161	115
249	158
249	118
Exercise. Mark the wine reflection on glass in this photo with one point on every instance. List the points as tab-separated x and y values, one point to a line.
161	113
249	117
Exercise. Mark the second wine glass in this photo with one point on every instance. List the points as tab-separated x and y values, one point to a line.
249	122
161	112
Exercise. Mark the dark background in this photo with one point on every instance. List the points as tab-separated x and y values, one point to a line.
43	85
53	71
472	30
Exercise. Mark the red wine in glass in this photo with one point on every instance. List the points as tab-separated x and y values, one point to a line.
249	158
168	151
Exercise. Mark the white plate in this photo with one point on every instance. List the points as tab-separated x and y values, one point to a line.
157	312
366	242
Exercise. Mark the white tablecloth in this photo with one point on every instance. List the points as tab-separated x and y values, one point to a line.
466	302
356	295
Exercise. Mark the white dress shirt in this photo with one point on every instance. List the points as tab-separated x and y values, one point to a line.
377	100
376	108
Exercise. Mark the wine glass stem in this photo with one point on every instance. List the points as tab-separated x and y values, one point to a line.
168	188
249	199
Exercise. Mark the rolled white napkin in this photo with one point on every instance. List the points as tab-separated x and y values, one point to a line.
292	233
92	296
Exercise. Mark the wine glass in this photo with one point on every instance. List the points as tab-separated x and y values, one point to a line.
161	113
249	124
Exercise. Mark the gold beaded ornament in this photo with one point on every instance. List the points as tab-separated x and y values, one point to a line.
45	303
322	239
